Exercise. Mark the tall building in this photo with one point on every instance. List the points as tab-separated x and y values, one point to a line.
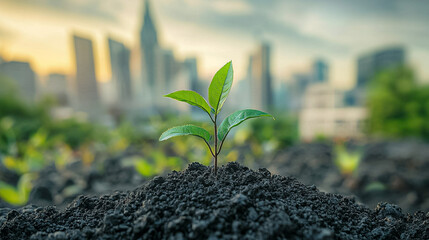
148	46
120	66
166	69
23	76
281	96
261	82
191	66
86	88
57	86
241	91
371	64
297	87
367	68
320	71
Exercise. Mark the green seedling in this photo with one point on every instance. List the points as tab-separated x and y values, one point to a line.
17	195
218	92
347	161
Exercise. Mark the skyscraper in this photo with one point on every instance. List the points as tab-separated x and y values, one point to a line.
23	76
148	46
367	68
261	83
320	71
371	64
191	67
298	86
166	69
120	66
86	88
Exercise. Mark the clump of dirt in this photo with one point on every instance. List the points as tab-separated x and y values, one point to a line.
194	204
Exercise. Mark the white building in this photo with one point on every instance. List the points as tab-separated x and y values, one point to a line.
323	114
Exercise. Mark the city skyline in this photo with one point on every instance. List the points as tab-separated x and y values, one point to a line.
200	33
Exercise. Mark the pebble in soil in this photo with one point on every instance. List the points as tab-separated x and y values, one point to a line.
239	204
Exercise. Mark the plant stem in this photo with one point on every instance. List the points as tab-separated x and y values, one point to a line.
215	148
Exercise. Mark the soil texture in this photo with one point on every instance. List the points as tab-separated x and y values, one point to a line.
395	172
194	204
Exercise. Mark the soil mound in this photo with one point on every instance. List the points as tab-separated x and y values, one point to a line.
193	204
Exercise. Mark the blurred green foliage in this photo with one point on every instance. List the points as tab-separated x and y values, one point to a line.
280	133
17	195
347	161
398	105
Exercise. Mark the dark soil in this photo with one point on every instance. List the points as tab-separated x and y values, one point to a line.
60	186
193	204
311	163
402	167
399	169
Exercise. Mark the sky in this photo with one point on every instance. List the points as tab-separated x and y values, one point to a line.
338	31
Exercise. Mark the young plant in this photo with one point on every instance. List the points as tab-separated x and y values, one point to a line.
218	92
347	161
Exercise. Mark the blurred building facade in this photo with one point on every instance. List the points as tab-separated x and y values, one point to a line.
121	75
368	66
323	114
261	78
320	71
57	86
297	87
191	65
23	76
166	77
149	47
317	73
86	94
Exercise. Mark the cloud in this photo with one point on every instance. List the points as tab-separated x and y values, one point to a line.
231	7
100	9
249	19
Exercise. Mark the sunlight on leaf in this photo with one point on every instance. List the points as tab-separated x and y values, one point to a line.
220	86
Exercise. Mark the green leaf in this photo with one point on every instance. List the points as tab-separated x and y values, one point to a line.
190	97
220	86
185	130
236	118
